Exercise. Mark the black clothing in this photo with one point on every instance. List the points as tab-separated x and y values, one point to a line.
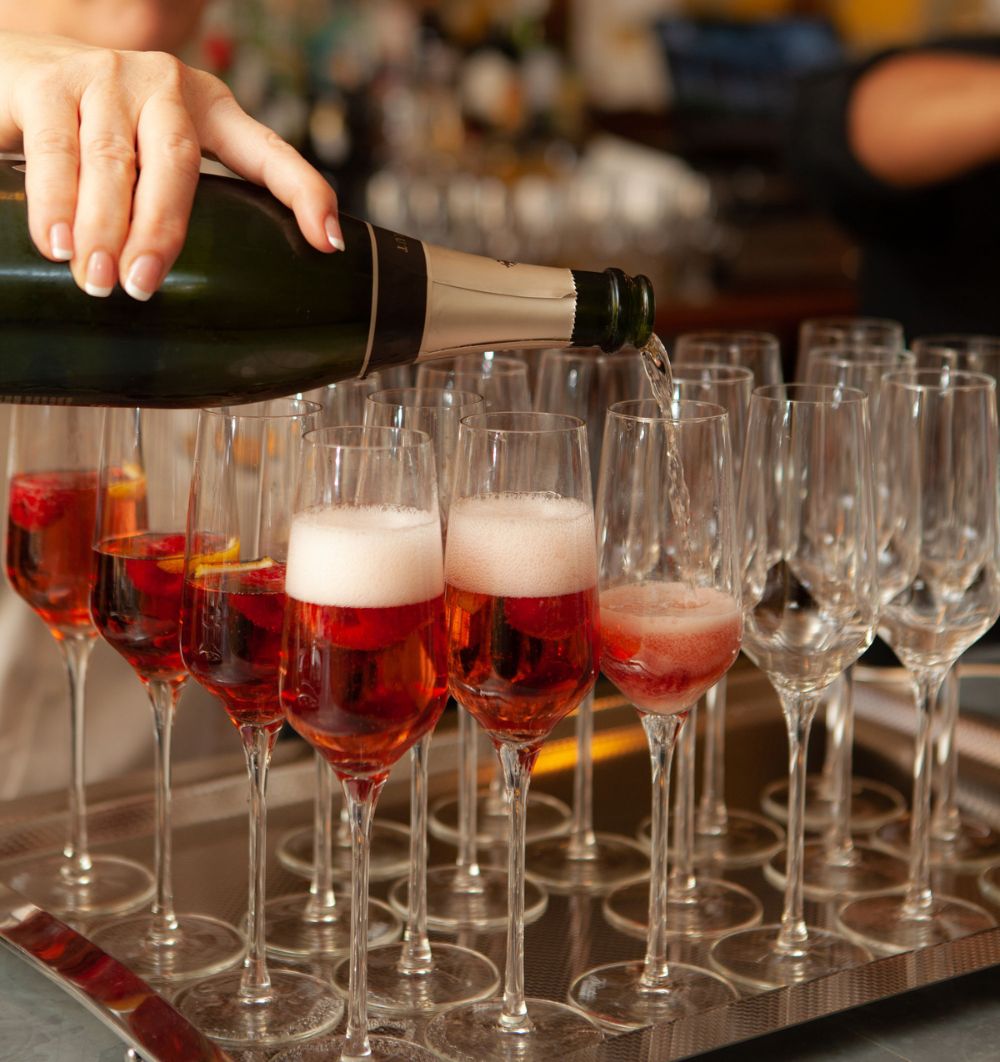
930	257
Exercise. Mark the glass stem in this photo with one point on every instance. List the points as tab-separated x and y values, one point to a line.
76	870
467	861
919	897
258	742
838	843
322	903
516	763
661	734
831	753
712	812
582	842
799	710
163	696
360	795
682	881
416	955
947	821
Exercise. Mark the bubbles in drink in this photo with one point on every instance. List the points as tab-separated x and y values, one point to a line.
364	556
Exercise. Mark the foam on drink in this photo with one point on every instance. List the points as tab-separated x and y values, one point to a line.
364	556
521	545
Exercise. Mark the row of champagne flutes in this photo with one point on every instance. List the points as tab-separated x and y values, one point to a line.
207	562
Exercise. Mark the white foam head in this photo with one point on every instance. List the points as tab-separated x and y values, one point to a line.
364	556
521	545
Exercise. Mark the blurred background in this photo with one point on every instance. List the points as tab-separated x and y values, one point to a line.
641	133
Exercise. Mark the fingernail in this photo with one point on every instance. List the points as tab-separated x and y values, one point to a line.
100	279
144	277
61	241
334	235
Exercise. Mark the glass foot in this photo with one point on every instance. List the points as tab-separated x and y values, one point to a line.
745	840
547	817
610	862
872	803
884	924
615	995
383	1049
201	946
472	1033
451	904
989	884
390	852
290	934
975	844
298	1006
456	975
708	910
870	872
751	957
116	885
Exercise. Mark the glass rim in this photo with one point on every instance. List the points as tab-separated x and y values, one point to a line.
958	342
587	354
456	399
941	379
307	407
734	372
847	321
822	394
508	364
405	438
720	337
898	356
702	411
546	423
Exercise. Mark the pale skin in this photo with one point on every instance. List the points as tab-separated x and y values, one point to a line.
113	131
925	117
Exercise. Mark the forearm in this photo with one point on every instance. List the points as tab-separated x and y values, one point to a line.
926	117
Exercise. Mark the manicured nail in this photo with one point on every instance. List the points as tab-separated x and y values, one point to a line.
144	277
61	241
100	279
334	235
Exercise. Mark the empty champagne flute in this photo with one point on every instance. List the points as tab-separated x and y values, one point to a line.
51	508
760	352
136	604
670	628
939	438
242	489
583	383
363	662
810	599
521	592
413	977
845	332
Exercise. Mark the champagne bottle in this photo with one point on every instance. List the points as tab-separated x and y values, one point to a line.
251	311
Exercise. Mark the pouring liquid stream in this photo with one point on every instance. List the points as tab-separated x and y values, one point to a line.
656	364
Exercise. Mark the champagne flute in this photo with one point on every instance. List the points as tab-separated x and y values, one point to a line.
759	352
363	663
51	507
322	851
413	978
845	332
232	609
837	866
939	435
521	591
136	604
958	838
699	907
810	598
503	383
583	383
670	628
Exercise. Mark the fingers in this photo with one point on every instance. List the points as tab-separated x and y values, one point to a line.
169	158
51	144
107	180
260	155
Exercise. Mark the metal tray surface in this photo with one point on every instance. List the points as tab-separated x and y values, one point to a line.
210	846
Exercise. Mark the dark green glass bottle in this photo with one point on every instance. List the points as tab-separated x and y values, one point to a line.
251	311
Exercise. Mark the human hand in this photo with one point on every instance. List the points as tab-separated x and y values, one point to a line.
113	143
